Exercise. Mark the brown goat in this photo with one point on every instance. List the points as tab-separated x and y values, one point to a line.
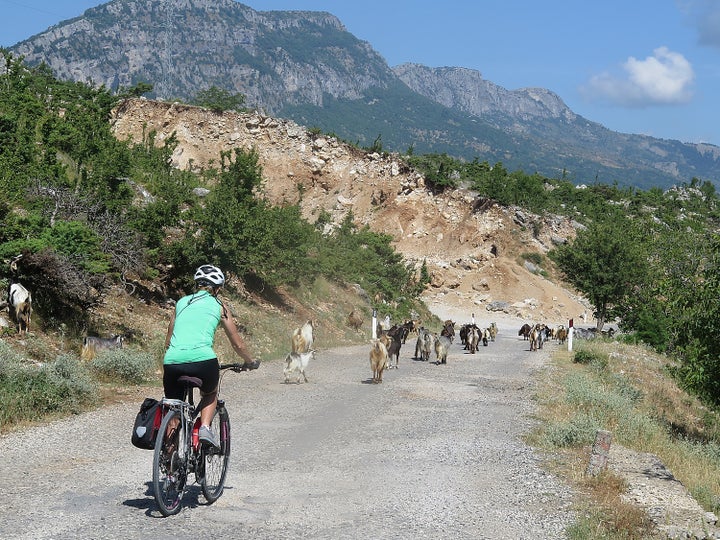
355	320
378	359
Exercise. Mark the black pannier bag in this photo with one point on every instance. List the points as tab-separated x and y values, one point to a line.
147	424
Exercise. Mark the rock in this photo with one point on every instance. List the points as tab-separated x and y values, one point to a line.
498	305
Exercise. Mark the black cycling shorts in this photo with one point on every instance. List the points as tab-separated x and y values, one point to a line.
207	370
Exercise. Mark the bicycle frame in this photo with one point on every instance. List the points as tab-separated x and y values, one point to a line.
179	452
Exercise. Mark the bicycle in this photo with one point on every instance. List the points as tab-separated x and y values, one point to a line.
179	452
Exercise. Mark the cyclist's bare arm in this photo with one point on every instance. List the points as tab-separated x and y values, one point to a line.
236	340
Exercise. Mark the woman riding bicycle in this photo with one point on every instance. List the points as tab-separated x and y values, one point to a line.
189	345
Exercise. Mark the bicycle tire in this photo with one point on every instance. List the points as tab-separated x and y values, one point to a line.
169	472
215	462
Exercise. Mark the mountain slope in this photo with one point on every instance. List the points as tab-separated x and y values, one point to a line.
472	252
542	116
306	66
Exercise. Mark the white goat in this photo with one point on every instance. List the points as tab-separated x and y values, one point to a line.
302	338
20	305
297	362
442	346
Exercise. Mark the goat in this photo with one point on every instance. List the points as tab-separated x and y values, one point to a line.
448	330
302	338
397	336
355	321
473	338
525	331
493	331
297	362
464	333
442	346
485	337
537	336
424	344
411	326
92	345
561	334
20	306
378	359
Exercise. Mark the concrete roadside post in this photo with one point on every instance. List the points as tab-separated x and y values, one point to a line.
571	331
374	324
600	452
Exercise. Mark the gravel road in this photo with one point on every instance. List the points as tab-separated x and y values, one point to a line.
432	452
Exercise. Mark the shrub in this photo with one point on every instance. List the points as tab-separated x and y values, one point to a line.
588	357
579	431
29	391
123	365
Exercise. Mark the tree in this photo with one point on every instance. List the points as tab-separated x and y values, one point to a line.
244	233
218	100
605	262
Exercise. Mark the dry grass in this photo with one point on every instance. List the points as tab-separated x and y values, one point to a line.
624	389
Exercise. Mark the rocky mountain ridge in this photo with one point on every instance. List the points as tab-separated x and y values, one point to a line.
306	66
472	247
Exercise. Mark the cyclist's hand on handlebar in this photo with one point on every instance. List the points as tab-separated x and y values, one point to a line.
249	366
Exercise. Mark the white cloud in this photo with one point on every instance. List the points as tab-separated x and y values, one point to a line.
665	78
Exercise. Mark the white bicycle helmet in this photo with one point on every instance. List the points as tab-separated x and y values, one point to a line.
208	274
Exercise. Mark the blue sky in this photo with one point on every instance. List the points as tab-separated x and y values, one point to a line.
636	66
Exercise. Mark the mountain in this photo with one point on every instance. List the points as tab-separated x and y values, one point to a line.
307	67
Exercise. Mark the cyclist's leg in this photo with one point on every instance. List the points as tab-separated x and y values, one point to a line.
210	375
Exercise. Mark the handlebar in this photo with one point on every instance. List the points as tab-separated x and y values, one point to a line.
238	367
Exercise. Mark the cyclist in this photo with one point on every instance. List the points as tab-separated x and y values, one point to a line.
189	344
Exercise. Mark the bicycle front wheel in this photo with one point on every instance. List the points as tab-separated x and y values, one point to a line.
169	471
215	462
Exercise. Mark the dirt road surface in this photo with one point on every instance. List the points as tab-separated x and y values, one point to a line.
435	451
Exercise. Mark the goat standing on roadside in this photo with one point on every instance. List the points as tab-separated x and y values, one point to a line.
424	344
378	360
297	362
442	346
302	338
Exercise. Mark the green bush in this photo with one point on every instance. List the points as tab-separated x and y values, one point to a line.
29	391
580	430
123	365
588	357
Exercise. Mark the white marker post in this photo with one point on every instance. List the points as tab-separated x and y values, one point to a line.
374	324
571	331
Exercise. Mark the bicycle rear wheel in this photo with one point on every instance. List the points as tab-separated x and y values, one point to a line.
215	462
169	471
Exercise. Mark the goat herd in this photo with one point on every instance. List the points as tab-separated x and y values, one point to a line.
385	348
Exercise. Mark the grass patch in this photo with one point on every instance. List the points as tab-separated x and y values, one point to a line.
609	517
30	390
123	366
625	389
